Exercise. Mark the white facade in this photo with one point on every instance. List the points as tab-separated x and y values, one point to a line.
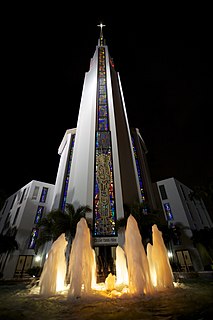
99	166
187	214
65	151
22	210
81	186
76	180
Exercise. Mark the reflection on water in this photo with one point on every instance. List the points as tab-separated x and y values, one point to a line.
189	300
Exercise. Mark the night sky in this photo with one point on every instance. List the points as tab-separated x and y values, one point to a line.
166	74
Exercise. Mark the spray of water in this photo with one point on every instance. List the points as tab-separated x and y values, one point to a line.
136	272
82	265
161	272
121	267
138	267
54	271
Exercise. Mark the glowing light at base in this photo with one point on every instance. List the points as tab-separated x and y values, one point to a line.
159	264
121	267
110	282
151	265
82	266
52	278
144	275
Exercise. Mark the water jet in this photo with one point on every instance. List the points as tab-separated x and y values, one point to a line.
136	272
54	271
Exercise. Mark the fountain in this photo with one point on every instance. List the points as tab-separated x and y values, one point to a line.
121	267
160	269
82	265
136	272
138	267
54	271
110	282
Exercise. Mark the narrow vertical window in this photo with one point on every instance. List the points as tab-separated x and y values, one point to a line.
39	214
67	175
26	193
163	192
138	169
44	194
35	193
22	196
16	215
168	211
104	195
13	202
33	237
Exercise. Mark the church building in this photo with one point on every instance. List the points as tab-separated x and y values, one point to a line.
103	161
102	165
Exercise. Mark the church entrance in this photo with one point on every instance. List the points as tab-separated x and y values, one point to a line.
184	260
105	258
24	263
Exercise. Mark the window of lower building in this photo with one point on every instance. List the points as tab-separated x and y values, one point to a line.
163	192
33	237
35	193
184	260
16	215
39	214
22	196
44	194
168	211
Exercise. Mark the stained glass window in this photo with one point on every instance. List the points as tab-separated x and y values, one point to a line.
67	176
44	194
104	200
103	124
39	214
168	211
138	169
102	111
103	139
34	236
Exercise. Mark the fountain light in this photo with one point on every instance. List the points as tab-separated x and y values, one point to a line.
170	254
136	271
37	258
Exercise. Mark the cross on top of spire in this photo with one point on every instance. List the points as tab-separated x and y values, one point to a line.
101	25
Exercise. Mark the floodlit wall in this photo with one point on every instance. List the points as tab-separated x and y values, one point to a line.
185	214
21	211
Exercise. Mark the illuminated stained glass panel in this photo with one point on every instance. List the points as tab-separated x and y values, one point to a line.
102	139
168	211
33	237
104	200
66	181
103	124
44	194
138	169
102	111
39	214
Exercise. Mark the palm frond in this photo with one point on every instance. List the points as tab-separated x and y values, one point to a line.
57	222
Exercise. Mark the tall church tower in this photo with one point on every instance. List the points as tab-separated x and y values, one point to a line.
102	162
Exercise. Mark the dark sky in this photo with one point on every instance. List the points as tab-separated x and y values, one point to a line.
166	74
